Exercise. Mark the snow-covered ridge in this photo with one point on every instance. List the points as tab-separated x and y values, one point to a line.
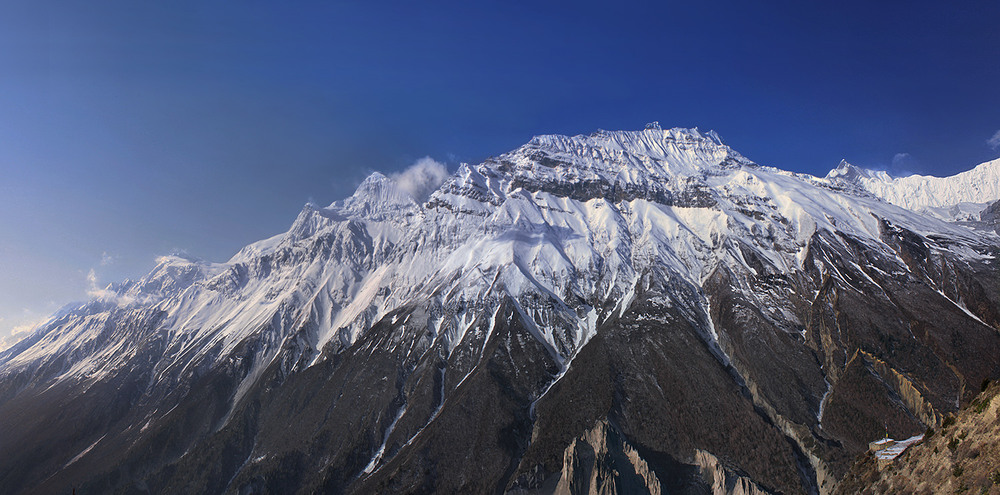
665	154
958	197
654	143
559	226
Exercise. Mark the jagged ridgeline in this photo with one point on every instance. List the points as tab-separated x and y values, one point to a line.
619	312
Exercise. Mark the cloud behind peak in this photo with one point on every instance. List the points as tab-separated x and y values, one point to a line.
421	178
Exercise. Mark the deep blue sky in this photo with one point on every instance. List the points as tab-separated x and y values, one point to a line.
132	129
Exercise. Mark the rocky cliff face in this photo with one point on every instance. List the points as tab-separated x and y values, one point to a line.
591	313
601	462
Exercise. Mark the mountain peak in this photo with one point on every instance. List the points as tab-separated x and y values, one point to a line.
375	183
375	178
376	193
644	160
848	172
923	193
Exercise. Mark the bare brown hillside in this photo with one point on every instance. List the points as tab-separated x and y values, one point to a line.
962	457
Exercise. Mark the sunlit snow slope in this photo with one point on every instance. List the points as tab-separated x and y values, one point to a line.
959	197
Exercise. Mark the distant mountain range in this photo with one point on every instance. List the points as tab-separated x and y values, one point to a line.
629	311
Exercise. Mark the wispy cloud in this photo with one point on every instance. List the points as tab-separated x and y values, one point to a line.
26	327
18	332
899	158
901	165
994	142
91	282
422	178
95	291
108	258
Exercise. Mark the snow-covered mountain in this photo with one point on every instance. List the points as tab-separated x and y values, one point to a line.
959	197
653	295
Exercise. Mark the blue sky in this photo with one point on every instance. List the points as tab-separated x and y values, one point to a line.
134	129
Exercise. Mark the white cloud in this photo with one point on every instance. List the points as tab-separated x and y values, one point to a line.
26	327
422	178
899	158
994	142
18	332
107	258
93	290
